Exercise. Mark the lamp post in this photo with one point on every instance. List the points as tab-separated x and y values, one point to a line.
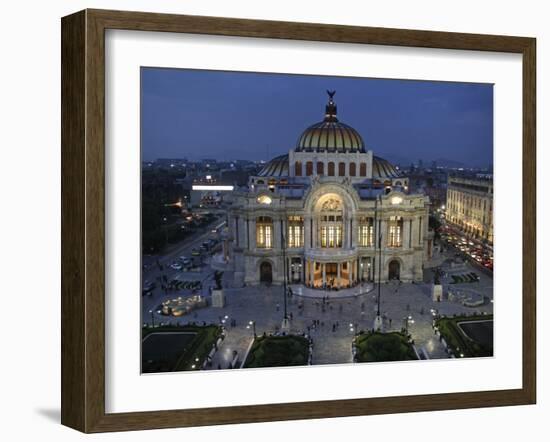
152	318
253	324
286	324
378	322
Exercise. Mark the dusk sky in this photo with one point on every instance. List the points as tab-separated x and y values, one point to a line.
236	115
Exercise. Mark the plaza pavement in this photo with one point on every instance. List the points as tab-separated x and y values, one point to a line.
345	313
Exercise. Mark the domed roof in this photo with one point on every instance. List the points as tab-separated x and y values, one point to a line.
277	167
330	135
382	169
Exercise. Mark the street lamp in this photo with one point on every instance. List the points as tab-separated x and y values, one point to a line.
253	324
152	318
286	324
378	322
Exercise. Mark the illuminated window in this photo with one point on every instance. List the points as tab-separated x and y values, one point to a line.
331	224
331	236
395	229
366	232
264	199
264	232
295	231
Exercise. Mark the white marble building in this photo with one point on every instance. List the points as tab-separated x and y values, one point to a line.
316	214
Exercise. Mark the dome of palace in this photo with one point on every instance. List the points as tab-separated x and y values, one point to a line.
330	135
383	169
277	167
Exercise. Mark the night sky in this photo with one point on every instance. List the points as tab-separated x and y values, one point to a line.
233	115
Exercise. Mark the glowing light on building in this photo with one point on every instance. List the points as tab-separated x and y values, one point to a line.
213	187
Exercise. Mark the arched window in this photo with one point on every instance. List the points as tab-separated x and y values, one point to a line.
363	169
331	169
352	169
331	223
264	232
320	168
298	168
341	169
309	168
395	229
366	231
295	231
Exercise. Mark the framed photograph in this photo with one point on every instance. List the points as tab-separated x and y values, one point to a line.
268	221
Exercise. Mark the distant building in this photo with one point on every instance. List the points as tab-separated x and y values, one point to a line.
470	206
170	162
314	215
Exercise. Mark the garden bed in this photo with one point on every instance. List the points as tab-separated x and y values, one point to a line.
383	347
278	351
464	278
177	348
464	338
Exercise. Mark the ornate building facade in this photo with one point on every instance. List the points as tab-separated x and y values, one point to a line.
328	214
470	206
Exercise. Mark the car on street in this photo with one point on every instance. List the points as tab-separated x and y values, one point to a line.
148	287
195	252
176	265
185	261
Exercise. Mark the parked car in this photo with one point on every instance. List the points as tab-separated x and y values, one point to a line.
176	265
185	261
148	287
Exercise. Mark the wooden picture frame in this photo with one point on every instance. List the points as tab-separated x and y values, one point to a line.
83	220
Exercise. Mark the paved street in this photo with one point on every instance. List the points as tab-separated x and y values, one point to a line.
339	318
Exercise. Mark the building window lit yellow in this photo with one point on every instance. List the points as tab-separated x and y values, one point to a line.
295	231
366	232
331	236
264	232
395	229
331	223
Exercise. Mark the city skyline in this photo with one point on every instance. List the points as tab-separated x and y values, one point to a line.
234	115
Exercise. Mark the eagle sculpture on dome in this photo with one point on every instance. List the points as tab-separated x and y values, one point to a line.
331	94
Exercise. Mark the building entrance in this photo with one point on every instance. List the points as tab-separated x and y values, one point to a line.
266	272
393	270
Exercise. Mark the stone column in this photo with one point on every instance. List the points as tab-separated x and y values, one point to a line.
383	231
313	233
348	233
307	236
339	274
277	240
312	271
414	233
353	233
349	273
406	233
242	231
252	234
324	266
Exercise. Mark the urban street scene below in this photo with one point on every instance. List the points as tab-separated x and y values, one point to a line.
295	220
